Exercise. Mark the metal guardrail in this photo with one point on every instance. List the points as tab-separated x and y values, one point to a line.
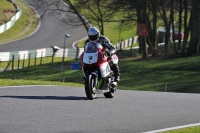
21	56
44	52
11	23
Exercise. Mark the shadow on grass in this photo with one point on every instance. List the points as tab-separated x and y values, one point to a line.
45	73
174	75
47	97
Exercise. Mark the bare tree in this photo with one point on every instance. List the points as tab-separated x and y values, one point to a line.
152	27
168	20
72	15
97	11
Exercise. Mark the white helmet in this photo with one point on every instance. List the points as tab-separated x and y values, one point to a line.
93	34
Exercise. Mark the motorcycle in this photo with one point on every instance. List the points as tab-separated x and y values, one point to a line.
96	67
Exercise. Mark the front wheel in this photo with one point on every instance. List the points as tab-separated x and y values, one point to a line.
90	90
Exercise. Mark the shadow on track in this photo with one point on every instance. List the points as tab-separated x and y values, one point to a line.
47	97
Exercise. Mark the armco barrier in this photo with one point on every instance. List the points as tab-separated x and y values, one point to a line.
45	52
9	24
127	43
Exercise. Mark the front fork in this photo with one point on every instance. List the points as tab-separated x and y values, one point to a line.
83	73
94	74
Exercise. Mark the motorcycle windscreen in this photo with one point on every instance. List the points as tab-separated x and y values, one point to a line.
91	53
91	47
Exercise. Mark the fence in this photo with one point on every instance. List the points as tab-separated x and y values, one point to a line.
126	43
9	24
20	59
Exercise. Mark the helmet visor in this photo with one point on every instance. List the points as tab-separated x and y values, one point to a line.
93	37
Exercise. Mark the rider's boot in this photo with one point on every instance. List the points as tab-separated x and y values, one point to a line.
117	78
115	69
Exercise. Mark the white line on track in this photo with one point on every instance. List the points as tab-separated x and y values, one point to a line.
173	128
73	45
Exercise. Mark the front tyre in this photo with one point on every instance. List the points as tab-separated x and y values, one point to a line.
90	90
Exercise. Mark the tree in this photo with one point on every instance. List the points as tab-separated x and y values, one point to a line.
98	12
195	28
55	6
186	27
148	12
152	28
180	23
141	6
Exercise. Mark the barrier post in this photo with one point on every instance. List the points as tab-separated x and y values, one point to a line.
18	62
23	61
29	56
41	58
35	58
77	53
13	62
120	46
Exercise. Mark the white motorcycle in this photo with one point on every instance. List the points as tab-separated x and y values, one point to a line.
99	78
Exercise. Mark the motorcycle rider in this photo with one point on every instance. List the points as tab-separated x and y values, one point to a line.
95	36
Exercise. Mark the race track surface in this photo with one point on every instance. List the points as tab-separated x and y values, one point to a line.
51	32
61	109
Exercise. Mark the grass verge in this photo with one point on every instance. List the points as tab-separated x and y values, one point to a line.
171	75
47	73
5	5
195	129
26	24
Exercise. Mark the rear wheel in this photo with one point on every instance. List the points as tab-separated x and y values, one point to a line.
90	90
111	93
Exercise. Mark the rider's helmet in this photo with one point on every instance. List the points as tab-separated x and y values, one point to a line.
93	34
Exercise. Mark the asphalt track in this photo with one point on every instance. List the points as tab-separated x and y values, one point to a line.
61	109
51	32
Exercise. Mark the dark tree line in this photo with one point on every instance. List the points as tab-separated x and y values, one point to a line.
157	13
182	15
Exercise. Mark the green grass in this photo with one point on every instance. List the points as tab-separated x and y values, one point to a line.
154	75
112	33
10	82
47	74
20	24
171	75
195	129
5	5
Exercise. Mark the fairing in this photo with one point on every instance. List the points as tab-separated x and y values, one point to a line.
93	55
